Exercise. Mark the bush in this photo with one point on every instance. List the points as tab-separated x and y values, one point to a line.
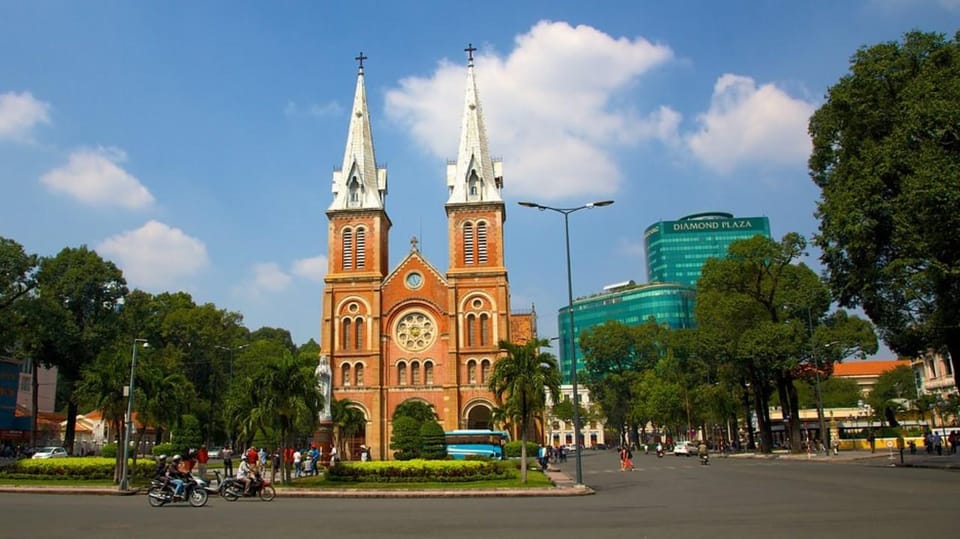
109	451
512	449
187	435
434	444
163	449
406	438
74	468
420	471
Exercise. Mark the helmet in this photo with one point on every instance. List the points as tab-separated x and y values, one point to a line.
176	458
162	458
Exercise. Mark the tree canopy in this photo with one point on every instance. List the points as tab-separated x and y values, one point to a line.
886	156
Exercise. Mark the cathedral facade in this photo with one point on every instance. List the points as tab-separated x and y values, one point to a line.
410	331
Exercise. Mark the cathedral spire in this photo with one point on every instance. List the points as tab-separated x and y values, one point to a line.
475	177
359	184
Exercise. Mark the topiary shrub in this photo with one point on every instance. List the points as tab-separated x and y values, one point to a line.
433	442
406	438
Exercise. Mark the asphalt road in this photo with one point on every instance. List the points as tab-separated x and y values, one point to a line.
670	497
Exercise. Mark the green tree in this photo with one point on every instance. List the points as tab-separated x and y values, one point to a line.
886	156
101	388
285	396
187	435
75	317
520	383
433	443
348	421
17	280
893	389
419	410
836	392
405	440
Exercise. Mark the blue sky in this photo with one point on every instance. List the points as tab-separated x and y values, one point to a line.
193	142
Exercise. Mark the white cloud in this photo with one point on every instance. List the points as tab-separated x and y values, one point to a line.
747	124
269	277
20	113
94	177
313	269
156	256
549	108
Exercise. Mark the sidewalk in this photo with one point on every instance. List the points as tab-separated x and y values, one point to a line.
563	485
882	457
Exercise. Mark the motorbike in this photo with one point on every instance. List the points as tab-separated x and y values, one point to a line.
659	450
231	489
161	493
704	459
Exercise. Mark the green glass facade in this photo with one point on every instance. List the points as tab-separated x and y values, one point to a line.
668	303
677	250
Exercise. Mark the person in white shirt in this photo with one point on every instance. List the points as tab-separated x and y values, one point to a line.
244	475
297	458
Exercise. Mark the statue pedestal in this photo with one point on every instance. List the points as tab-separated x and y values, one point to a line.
324	440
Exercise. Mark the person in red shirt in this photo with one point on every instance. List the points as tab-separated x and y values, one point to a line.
202	457
252	455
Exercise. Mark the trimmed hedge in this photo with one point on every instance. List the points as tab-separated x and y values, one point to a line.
73	468
163	449
421	471
512	449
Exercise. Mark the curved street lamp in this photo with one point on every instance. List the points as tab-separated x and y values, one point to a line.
573	350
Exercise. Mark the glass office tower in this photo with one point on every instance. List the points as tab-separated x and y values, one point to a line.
677	250
668	303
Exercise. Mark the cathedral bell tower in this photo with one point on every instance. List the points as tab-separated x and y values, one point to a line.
357	240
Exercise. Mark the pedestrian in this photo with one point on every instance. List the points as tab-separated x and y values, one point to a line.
263	458
333	455
227	455
297	458
202	457
953	442
938	443
363	453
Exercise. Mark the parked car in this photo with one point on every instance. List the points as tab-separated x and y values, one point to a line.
215	453
686	449
49	453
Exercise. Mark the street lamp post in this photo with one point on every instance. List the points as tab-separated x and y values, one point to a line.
231	350
125	467
573	350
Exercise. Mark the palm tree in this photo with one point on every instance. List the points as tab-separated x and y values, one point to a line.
286	395
348	421
520	382
101	386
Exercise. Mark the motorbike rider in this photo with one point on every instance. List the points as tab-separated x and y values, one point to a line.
160	472
702	450
175	475
245	475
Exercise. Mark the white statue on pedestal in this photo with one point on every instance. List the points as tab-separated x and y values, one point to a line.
324	379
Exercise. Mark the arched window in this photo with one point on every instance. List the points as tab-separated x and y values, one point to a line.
401	374
485	371
358	374
481	243
468	243
345	374
347	249
355	190
484	329
361	248
358	334
415	373
428	373
346	336
471	330
473	185
471	372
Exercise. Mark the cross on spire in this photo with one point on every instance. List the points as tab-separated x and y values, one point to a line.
360	59
469	50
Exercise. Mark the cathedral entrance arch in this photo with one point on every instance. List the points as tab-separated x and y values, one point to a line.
478	415
351	431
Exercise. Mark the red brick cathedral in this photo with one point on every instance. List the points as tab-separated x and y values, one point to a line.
412	332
